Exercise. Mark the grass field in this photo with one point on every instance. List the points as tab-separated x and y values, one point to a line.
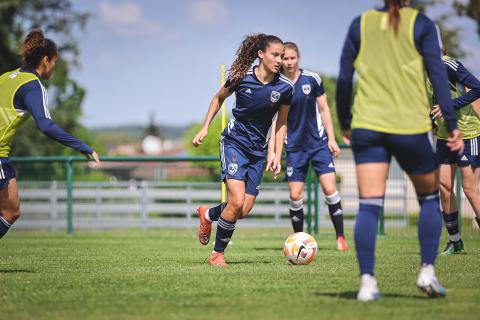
162	274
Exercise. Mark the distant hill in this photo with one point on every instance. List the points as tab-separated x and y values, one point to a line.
115	135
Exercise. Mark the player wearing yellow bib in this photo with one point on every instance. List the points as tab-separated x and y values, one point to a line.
390	49
22	94
469	160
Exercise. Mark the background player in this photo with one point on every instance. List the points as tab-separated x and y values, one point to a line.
469	160
310	137
22	94
260	93
390	48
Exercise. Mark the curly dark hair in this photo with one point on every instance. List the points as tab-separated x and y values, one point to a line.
36	47
246	55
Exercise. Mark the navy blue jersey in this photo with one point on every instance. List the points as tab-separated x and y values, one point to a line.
255	106
458	74
304	127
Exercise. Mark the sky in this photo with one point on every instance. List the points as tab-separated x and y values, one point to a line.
161	59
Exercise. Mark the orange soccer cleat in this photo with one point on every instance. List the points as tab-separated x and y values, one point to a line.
205	228
342	244
217	259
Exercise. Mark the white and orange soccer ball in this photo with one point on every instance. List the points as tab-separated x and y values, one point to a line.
300	248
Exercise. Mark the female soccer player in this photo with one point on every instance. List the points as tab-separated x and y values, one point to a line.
310	137
468	161
389	49
260	93
21	94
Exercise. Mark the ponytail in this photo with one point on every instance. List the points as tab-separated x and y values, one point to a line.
246	55
36	47
393	7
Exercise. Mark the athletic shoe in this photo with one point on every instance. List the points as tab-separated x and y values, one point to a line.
368	289
452	248
205	228
428	283
217	259
342	244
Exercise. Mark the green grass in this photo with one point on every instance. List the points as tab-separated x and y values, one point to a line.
163	274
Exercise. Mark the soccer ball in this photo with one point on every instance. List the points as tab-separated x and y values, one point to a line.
300	248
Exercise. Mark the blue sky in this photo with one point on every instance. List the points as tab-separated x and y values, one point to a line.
146	57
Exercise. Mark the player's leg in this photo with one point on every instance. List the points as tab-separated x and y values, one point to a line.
254	174
415	155
372	165
227	220
296	173
9	204
449	206
471	175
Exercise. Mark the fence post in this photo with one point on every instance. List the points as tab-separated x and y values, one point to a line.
458	192
69	176
53	204
309	201
381	223
144	203
315	212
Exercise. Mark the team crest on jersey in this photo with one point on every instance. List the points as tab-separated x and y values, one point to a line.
289	171
232	168
274	96
306	88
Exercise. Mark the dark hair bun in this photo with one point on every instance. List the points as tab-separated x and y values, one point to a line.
34	40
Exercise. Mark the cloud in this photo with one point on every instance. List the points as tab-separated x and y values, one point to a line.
127	19
207	12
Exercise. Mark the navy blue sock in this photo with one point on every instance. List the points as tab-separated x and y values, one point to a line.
366	233
215	212
336	212
478	221
429	226
296	215
4	226
224	234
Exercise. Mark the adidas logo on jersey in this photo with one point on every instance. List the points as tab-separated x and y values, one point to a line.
248	91
464	158
331	165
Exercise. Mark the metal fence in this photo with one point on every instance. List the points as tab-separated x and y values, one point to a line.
151	203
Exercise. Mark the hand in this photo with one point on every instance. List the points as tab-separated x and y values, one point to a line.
346	137
199	137
455	142
93	156
436	112
274	166
333	147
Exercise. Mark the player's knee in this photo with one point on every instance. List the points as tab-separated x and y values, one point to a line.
330	190
445	189
11	214
237	204
470	190
296	195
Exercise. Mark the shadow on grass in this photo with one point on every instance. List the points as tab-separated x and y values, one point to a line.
268	249
352	295
16	271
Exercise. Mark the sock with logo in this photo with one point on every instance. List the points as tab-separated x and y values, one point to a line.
214	213
4	226
429	226
336	212
225	231
365	233
451	223
296	215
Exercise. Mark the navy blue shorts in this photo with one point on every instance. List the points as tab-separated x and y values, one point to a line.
239	165
469	157
297	163
7	172
414	152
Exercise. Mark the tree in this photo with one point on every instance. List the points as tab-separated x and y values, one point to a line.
59	21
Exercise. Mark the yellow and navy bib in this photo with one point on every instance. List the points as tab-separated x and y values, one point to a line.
10	118
391	93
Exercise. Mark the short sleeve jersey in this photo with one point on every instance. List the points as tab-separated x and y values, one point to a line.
255	106
304	127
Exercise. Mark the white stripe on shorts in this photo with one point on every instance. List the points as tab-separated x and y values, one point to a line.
2	174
